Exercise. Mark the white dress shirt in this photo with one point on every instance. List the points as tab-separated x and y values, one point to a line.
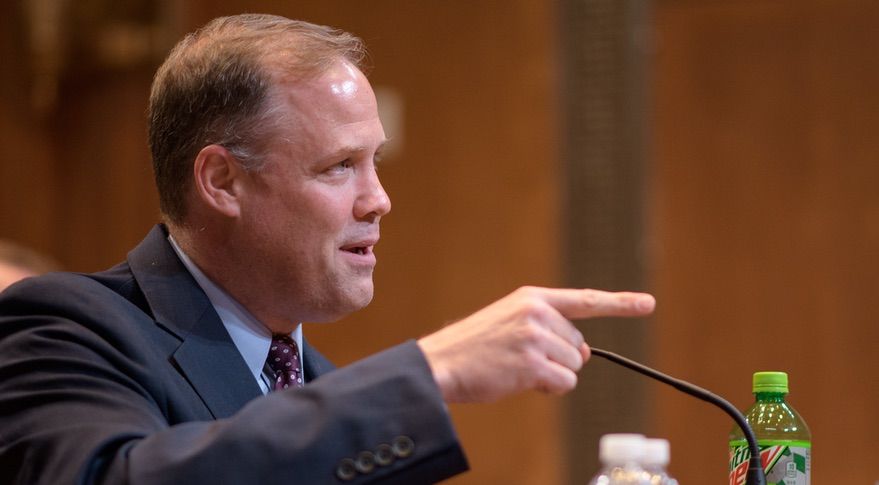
251	337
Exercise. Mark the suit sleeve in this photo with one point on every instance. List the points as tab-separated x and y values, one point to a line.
83	404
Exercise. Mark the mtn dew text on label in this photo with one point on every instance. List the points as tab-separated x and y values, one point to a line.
783	462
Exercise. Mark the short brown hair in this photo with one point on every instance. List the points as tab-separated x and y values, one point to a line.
215	87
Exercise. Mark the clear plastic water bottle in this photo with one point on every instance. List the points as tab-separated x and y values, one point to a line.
621	456
655	461
784	439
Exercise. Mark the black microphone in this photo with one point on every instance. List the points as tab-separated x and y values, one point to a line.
755	468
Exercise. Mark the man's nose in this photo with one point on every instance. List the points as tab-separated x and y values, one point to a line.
373	200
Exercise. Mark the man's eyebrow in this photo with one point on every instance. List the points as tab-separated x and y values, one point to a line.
356	148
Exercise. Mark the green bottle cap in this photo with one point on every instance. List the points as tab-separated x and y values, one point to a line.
770	382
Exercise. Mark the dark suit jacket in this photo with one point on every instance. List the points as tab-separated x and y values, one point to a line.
128	376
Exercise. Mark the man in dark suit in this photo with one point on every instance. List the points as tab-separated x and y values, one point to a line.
185	364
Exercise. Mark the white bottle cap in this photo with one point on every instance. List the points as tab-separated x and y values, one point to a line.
656	452
620	448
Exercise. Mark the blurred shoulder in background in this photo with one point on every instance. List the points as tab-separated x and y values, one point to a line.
18	262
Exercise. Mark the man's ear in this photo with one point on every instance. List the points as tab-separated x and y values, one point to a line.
218	180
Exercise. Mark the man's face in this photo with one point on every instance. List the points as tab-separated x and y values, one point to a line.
312	213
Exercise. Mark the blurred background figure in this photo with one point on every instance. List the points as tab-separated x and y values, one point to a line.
18	262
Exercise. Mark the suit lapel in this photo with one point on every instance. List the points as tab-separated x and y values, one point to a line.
314	364
215	368
207	357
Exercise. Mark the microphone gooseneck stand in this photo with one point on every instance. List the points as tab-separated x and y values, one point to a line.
755	469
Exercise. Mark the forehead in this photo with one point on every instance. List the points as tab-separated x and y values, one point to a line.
327	113
339	93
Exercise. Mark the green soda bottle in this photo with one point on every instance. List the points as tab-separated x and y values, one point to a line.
784	439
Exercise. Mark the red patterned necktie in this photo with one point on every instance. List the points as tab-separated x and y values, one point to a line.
284	362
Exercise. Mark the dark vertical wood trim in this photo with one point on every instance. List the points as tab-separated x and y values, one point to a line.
604	62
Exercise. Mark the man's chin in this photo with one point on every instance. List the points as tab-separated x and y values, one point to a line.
360	298
344	305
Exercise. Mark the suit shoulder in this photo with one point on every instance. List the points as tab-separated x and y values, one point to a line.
65	292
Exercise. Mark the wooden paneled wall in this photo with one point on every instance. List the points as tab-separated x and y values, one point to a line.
766	221
75	174
473	184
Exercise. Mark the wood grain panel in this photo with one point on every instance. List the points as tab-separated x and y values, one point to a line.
107	201
26	179
765	218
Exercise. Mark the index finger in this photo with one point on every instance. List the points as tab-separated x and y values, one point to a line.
587	303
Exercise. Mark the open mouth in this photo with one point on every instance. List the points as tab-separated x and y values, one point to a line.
360	246
359	250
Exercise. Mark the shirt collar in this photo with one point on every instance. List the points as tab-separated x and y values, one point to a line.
251	337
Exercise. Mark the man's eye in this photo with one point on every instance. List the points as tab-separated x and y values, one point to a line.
376	161
341	167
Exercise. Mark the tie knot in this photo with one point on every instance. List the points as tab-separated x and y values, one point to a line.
282	339
283	360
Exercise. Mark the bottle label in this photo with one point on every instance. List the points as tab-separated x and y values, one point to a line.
784	462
